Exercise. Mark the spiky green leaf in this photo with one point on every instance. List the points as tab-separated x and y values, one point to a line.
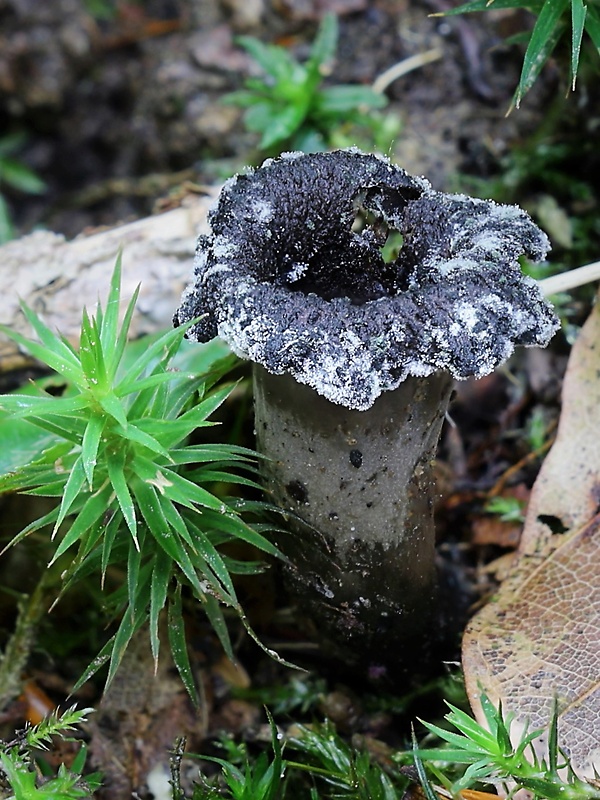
91	355
90	446
116	473
275	61
43	406
111	404
214	612
94	508
161	576
134	563
51	346
72	490
338	99
167	539
177	640
162	349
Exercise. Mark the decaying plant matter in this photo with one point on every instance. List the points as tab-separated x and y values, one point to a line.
355	353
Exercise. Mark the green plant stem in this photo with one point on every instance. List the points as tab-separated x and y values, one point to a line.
31	608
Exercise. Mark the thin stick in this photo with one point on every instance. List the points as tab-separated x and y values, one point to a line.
570	280
381	83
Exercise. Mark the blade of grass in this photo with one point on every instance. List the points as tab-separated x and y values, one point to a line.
239	529
56	430
114	408
46	520
200	412
476	732
188	494
323	49
544	37
134	561
458	740
275	61
161	349
26	405
553	748
211	556
111	530
428	791
135	434
156	379
212	452
578	14
168	540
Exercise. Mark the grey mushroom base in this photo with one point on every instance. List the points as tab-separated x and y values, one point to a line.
355	352
359	489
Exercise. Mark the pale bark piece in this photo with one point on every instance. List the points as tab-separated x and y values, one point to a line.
57	278
539	639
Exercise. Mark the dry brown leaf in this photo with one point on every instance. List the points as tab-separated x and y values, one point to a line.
539	639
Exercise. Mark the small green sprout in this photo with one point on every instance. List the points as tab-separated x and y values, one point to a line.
15	174
330	768
290	108
537	429
259	779
492	757
509	509
347	772
26	778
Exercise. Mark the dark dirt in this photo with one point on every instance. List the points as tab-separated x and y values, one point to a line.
120	111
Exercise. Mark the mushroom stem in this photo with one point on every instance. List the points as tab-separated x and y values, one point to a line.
361	491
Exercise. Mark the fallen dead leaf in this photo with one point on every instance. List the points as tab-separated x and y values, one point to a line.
539	639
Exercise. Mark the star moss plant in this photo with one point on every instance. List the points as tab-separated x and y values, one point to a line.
130	486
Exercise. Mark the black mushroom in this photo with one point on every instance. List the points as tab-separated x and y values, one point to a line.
355	349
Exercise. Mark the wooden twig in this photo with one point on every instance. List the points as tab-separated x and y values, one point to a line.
566	281
386	78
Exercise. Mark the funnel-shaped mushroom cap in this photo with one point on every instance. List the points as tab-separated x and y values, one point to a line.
293	276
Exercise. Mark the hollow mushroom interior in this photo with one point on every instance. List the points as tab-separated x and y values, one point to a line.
353	264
